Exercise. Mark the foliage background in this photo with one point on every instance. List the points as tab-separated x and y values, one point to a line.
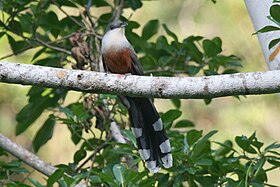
230	116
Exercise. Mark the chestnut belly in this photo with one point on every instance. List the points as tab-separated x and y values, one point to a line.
118	61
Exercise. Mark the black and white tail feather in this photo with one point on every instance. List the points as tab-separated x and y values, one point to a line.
152	141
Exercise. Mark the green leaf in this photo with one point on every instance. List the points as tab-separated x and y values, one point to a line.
184	124
204	162
193	50
273	43
193	70
69	180
259	165
230	71
267	29
100	3
44	134
76	133
225	148
178	182
14	163
133	4
55	177
272	146
27	116
176	103
193	136
202	147
217	41
170	116
35	182
16	46
95	178
2	152
16	184
211	48
38	102
273	20
163	179
106	178
245	144
148	181
131	25
274	162
150	29
207	136
138	177
80	112
79	155
69	113
18	170
169	32
15	27
38	53
49	61
2	34
128	134
51	23
118	171
275	12
26	22
207	101
257	144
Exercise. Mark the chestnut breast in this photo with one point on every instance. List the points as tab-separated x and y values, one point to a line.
118	61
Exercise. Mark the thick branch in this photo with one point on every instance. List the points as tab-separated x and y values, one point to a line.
28	157
143	86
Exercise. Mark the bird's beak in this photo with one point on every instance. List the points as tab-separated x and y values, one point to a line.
123	24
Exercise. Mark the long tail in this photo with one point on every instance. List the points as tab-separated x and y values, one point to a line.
152	141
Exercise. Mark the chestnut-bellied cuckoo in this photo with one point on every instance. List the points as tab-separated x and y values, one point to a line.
119	57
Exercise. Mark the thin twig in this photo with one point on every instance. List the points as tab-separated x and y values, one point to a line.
89	14
118	11
46	44
96	150
66	37
17	52
70	17
53	47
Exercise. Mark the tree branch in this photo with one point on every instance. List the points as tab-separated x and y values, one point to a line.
143	86
28	157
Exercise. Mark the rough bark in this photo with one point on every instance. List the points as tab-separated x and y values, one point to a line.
143	86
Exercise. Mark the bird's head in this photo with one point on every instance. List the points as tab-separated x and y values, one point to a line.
117	26
115	38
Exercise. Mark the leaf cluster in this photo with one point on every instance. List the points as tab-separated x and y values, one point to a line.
275	18
202	162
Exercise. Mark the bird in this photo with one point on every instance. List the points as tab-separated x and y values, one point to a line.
119	57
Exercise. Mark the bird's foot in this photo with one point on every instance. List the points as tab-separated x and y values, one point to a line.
126	75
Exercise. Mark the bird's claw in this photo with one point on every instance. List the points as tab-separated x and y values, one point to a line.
126	75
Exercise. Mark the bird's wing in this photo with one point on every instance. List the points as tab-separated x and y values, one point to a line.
104	65
136	66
